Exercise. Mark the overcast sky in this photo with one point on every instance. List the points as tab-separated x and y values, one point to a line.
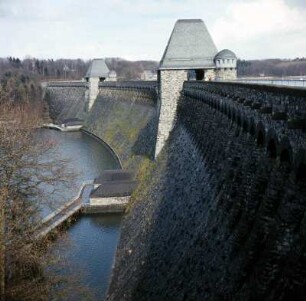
140	29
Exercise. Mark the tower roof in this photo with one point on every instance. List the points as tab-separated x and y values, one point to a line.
226	54
97	68
190	46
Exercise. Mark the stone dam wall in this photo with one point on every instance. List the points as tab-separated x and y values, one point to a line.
124	116
221	214
66	101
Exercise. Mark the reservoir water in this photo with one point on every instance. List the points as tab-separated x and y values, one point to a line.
92	239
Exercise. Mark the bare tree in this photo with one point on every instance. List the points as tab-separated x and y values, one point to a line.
27	175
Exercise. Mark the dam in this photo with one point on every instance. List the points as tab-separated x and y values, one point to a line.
219	211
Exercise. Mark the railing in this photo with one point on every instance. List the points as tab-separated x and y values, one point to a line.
67	84
291	101
130	84
277	82
246	88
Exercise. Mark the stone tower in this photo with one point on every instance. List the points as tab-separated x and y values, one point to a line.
97	72
226	65
190	48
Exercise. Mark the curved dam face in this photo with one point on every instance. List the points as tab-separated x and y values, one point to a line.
127	121
221	215
125	118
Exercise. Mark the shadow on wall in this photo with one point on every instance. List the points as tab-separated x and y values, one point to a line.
66	102
126	125
221	219
146	140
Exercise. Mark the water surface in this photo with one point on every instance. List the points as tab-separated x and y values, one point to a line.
92	239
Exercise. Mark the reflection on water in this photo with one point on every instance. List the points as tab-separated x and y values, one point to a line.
93	238
92	245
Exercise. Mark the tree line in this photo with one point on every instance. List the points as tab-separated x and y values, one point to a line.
272	67
72	69
45	69
19	88
75	69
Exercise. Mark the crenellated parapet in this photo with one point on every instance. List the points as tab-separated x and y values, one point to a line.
275	116
142	85
145	92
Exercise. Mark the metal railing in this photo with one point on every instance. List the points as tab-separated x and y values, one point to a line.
276	82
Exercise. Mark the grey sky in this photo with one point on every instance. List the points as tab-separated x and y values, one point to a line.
138	29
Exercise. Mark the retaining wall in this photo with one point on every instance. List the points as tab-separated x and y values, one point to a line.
221	215
125	117
66	102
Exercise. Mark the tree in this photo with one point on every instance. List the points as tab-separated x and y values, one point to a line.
25	174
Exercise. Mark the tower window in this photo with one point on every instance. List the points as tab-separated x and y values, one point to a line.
199	74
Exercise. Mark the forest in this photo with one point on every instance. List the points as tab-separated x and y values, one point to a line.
272	67
72	69
75	69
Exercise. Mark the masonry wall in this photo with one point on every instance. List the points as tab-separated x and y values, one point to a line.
108	201
210	74
221	215
126	119
226	73
66	102
171	84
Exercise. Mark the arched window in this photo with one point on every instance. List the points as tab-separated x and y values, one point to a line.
199	74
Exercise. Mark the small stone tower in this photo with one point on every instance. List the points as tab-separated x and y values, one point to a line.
97	72
226	65
190	48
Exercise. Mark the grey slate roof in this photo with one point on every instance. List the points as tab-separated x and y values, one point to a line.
114	189
225	54
190	46
115	175
97	68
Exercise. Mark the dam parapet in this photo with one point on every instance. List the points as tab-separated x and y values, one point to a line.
144	92
275	116
222	213
66	84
